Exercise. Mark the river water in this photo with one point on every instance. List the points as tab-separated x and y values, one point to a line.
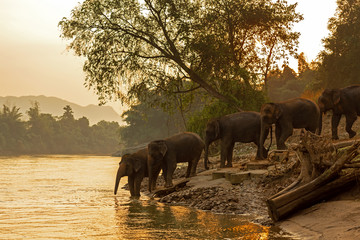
71	197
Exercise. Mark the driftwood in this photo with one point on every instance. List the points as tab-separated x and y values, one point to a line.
320	177
162	191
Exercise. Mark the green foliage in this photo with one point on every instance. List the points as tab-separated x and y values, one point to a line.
197	121
134	47
339	62
146	123
44	134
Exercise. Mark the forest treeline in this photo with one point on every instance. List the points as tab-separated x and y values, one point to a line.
46	134
177	64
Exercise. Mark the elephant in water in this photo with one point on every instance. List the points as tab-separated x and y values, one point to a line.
287	115
343	101
238	127
165	154
135	167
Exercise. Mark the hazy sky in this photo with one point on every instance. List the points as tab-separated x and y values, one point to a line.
33	59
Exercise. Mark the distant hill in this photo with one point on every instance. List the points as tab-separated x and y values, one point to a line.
55	106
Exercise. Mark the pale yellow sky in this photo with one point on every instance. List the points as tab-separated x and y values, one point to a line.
33	59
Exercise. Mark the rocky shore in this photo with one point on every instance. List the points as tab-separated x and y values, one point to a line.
219	195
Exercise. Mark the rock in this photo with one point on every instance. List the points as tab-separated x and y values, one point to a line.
218	174
237	178
264	164
258	173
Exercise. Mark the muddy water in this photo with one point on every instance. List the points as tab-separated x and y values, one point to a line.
71	197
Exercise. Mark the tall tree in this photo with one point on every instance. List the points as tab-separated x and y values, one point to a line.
303	65
340	65
133	46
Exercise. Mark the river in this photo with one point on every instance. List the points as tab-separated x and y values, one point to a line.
71	197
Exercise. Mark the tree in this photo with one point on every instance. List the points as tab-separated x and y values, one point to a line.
41	130
285	84
303	65
68	114
105	136
12	130
340	65
134	46
145	124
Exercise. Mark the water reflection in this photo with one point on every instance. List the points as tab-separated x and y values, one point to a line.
151	220
71	197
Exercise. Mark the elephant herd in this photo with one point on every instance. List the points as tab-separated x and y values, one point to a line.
242	127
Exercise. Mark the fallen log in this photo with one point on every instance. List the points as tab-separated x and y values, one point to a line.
314	183
278	212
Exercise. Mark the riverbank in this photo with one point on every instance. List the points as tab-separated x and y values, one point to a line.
337	218
207	191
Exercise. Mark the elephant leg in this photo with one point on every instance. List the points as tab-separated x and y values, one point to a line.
258	152
171	166
334	125
350	119
194	164
277	135
155	176
286	132
222	154
229	155
137	185
131	185
225	145
188	170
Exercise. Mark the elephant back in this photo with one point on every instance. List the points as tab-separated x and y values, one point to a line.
185	146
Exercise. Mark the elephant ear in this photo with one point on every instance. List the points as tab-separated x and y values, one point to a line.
136	164
217	128
162	148
336	96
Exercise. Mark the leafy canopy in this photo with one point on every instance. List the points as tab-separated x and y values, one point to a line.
133	48
340	65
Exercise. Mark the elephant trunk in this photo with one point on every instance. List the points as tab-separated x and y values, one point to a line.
264	128
118	177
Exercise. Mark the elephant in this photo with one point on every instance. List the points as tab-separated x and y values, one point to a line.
237	127
166	153
287	115
135	167
343	101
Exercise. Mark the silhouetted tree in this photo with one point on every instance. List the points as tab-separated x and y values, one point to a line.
339	61
44	134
